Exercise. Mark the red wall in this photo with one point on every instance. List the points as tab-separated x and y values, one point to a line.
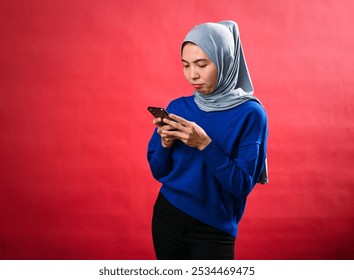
76	78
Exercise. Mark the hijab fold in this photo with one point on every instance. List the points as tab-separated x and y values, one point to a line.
221	43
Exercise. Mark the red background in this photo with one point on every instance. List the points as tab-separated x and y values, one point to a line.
76	78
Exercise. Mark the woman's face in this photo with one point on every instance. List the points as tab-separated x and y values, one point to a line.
198	69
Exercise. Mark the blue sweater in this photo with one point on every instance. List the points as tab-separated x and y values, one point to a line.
212	185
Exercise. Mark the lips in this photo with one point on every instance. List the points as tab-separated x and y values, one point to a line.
197	86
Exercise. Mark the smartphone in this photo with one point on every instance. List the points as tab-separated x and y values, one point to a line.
159	113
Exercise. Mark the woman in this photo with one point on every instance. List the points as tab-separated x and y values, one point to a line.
212	154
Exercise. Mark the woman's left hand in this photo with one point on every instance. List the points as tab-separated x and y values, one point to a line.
188	132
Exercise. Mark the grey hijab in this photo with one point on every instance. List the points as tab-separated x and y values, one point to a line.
221	43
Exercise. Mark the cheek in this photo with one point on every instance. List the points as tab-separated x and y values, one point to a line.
186	73
213	77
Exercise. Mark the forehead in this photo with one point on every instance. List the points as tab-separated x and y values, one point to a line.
192	52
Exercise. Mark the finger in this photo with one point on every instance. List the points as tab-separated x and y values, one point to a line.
160	129
182	124
170	122
157	121
174	134
166	132
179	119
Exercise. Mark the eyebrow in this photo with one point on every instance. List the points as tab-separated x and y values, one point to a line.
196	61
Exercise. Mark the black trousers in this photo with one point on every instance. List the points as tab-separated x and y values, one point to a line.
178	236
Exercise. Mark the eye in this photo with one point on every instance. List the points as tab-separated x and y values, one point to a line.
185	65
202	65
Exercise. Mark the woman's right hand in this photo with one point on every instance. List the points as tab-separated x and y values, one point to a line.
166	140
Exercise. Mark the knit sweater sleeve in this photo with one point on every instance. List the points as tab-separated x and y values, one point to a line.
239	174
159	158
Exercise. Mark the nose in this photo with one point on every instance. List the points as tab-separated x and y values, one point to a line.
194	73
